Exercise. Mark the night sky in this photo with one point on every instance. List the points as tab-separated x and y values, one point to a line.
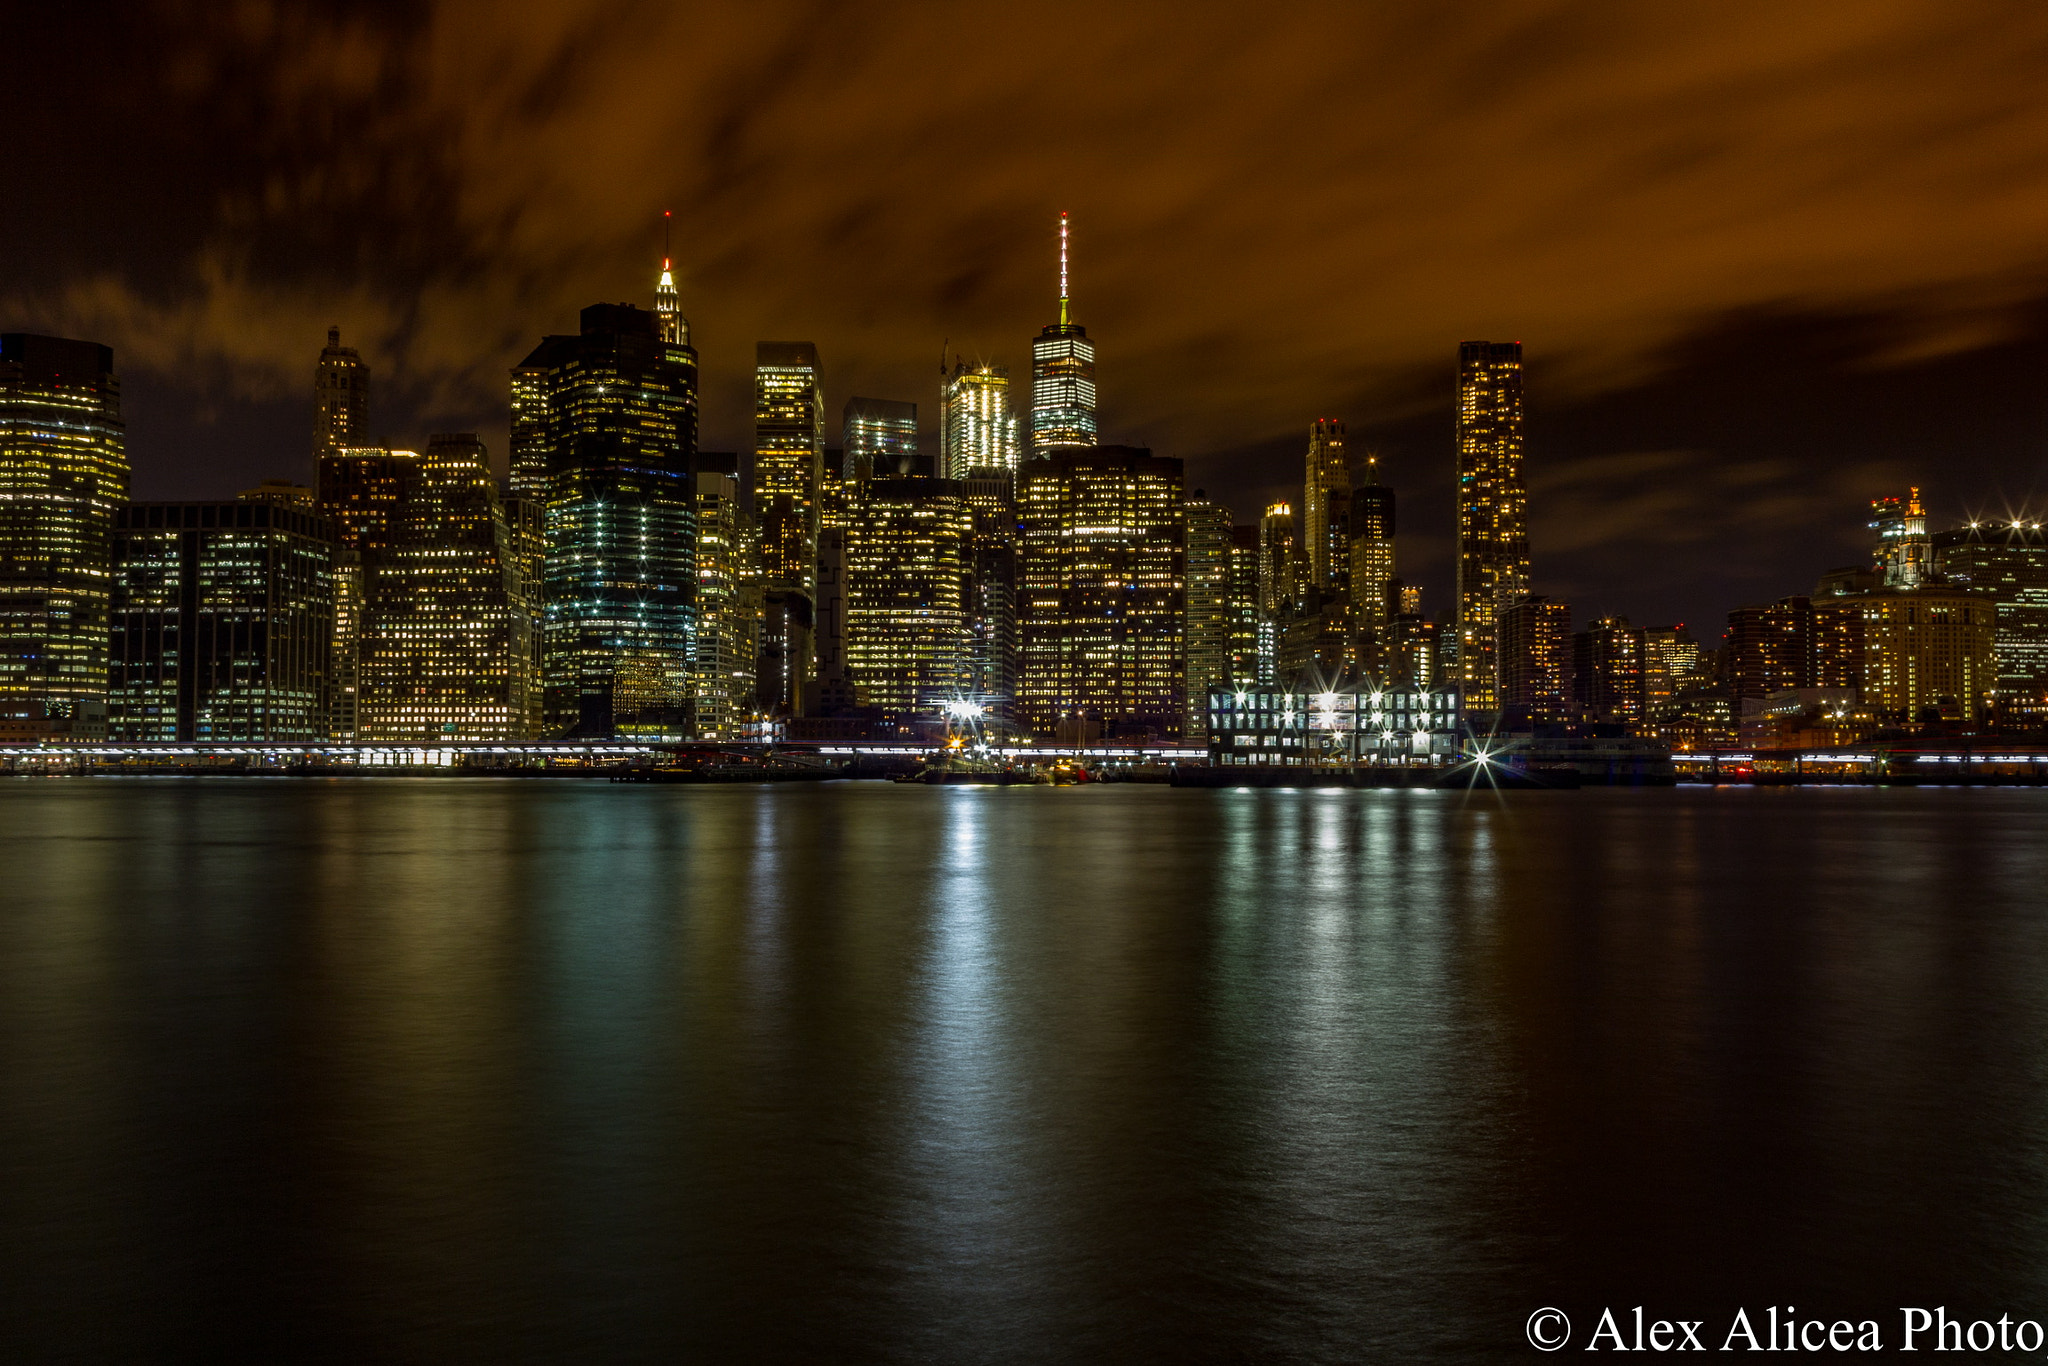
1766	261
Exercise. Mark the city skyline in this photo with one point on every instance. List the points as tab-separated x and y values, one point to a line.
1709	367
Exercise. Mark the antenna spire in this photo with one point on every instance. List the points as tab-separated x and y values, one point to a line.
667	222
1063	269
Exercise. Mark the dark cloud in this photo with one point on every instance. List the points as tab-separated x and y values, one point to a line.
1762	257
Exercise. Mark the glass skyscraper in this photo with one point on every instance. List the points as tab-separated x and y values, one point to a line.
976	429
63	473
1062	377
879	437
223	622
606	423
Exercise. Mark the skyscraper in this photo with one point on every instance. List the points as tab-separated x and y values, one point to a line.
1209	617
1325	509
1372	569
2009	560
789	455
976	429
879	436
605	422
1607	671
359	491
1103	560
1536	662
1493	536
1062	377
63	472
728	606
1244	607
907	608
223	622
341	398
1929	652
992	592
447	637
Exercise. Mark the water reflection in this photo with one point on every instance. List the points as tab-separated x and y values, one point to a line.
533	1071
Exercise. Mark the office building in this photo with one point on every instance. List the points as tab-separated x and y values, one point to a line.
1416	655
1243	602
63	474
1326	510
877	436
1671	662
1929	653
1493	536
341	398
223	622
446	648
1374	597
976	429
1536	659
992	592
789	457
907	606
1607	671
831	691
359	490
1062	377
1208	607
605	435
1103	559
728	602
2008	560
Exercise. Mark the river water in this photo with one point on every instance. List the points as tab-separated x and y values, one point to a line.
537	1071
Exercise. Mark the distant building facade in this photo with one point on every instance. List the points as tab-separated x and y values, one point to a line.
1209	608
223	623
341	398
605	435
907	604
1536	658
63	476
1493	535
976	428
1103	559
2009	561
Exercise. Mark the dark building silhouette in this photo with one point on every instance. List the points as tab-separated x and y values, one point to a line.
604	430
223	622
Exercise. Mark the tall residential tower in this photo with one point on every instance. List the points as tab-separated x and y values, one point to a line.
1493	535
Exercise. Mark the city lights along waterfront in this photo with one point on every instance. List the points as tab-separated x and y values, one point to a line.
544	1071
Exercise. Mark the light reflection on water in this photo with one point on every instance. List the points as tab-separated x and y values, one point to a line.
544	1070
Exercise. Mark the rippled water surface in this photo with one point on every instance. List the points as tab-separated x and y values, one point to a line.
561	1071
